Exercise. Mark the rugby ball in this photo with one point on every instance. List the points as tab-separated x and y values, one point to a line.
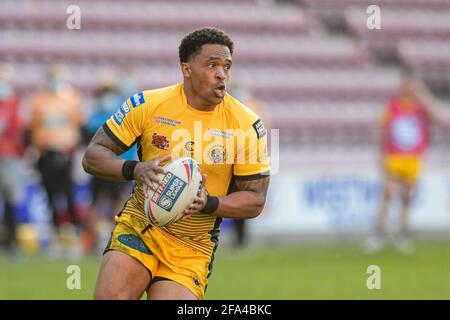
180	185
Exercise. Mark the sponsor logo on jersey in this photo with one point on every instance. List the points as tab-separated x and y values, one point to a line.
168	191
259	128
121	113
164	120
160	142
137	99
220	133
134	242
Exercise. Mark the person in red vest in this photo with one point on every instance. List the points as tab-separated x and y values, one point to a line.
11	153
405	136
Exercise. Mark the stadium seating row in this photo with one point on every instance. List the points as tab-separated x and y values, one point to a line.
269	83
319	89
245	17
161	47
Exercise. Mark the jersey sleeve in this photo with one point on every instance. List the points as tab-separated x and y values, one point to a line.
251	160
126	125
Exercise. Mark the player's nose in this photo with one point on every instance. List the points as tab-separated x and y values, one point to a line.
221	75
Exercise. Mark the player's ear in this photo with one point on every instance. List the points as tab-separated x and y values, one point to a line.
186	69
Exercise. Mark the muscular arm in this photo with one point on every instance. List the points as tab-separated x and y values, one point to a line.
101	157
247	202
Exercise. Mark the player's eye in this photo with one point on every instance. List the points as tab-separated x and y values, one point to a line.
211	65
227	67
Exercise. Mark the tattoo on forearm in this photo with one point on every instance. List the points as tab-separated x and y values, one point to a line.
102	139
259	186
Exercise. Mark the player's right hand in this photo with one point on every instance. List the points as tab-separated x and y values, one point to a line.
147	173
199	202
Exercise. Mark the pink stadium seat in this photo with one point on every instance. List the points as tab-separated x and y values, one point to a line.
426	55
333	11
317	88
155	15
270	83
400	24
323	112
156	47
429	59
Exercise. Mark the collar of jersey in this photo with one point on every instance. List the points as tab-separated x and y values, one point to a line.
196	112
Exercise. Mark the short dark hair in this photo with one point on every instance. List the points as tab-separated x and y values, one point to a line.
193	41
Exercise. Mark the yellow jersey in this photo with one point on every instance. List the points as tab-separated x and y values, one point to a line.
229	143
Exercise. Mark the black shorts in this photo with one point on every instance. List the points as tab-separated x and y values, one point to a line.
105	188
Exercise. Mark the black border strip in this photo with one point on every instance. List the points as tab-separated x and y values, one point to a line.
113	137
253	176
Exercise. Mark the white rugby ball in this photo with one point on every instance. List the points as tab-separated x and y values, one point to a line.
179	187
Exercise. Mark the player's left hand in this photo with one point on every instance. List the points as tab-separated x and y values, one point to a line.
199	202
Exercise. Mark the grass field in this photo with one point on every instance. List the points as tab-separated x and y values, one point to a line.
272	272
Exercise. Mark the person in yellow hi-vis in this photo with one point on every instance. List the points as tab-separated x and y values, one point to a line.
195	118
405	135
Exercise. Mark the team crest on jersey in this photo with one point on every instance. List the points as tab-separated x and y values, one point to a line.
137	99
217	154
160	142
121	113
259	128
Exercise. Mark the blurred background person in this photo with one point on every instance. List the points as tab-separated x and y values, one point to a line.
11	156
128	82
405	130
240	89
127	86
107	196
55	130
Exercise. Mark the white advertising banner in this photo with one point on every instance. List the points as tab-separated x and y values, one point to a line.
335	202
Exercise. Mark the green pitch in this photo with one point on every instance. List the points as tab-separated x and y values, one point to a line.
272	272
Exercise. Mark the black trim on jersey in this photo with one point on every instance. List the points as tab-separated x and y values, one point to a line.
139	148
216	229
146	228
126	202
108	245
232	186
113	137
215	239
253	176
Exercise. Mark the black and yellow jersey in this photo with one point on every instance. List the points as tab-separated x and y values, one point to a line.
229	143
